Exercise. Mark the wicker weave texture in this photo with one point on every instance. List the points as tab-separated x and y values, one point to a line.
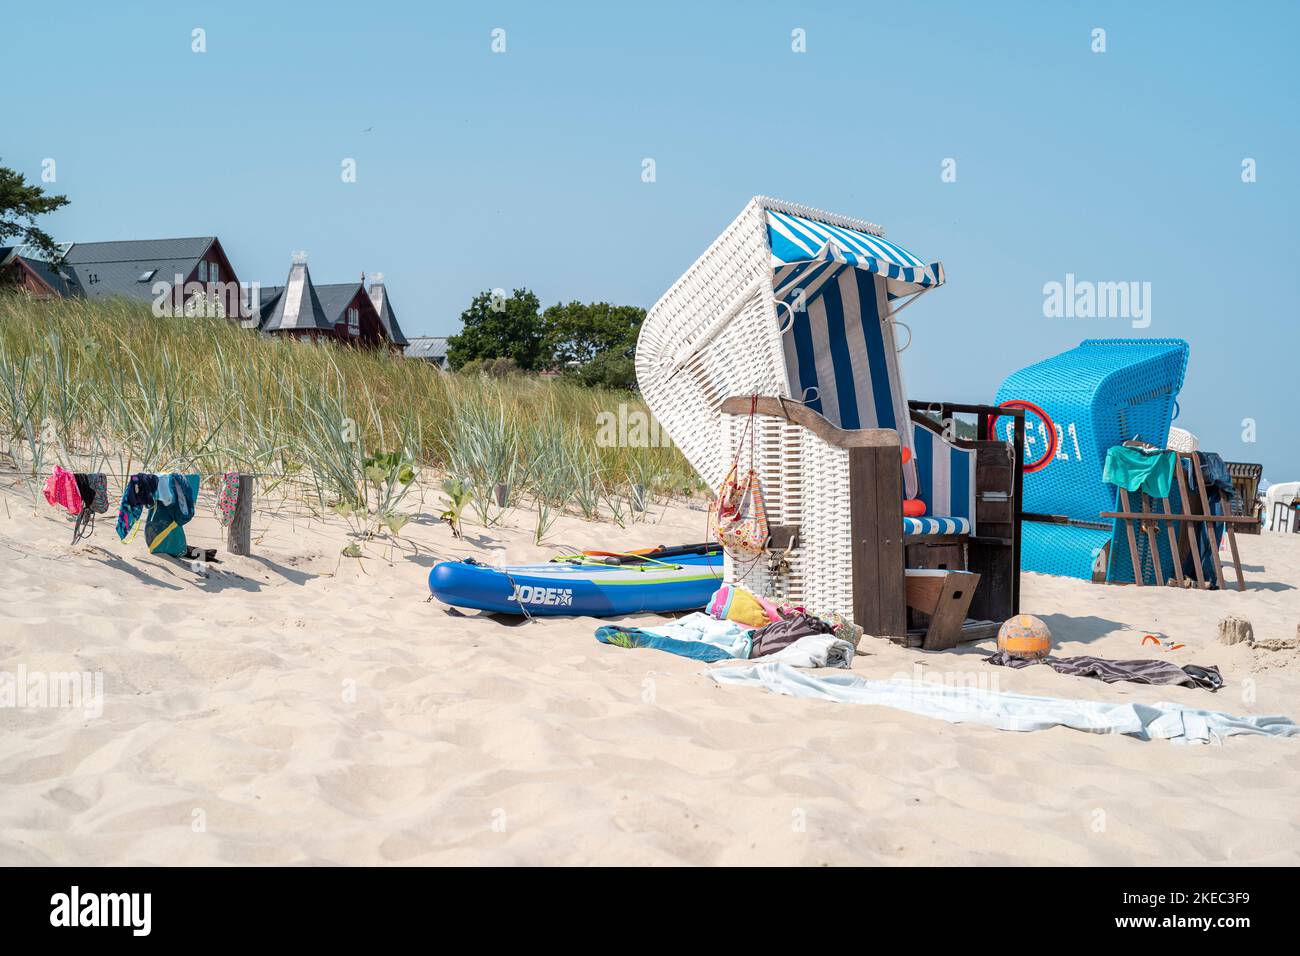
715	334
1065	550
1099	394
1180	439
743	358
805	482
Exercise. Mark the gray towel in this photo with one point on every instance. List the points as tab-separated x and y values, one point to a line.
1138	672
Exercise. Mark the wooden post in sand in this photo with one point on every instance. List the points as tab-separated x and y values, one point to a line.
239	538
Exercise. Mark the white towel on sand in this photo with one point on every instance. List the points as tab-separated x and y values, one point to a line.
955	704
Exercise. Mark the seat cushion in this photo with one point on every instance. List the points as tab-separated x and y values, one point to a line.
947	475
915	526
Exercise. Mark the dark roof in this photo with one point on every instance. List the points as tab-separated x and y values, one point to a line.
135	250
299	297
265	304
334	298
387	317
433	348
58	278
104	269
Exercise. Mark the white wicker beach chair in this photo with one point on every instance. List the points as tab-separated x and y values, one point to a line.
1180	439
800	304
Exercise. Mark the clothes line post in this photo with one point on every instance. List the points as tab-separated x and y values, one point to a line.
239	538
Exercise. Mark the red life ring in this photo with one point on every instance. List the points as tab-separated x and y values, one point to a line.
1053	440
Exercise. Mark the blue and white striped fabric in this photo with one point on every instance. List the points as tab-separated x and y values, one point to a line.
840	356
946	476
796	242
833	287
915	526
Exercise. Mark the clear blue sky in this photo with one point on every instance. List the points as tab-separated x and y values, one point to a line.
524	168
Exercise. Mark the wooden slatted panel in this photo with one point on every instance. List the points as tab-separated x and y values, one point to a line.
875	496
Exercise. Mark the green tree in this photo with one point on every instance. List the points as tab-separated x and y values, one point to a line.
493	368
578	332
20	204
497	327
607	370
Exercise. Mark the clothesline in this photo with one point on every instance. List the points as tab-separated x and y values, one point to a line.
112	474
170	498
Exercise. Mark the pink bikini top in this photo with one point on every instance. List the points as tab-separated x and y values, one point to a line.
61	490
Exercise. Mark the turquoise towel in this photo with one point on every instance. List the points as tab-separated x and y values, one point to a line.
1133	471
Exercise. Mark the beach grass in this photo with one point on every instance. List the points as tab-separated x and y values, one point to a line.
110	386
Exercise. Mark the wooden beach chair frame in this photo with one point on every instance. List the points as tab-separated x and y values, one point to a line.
930	590
1146	520
1245	479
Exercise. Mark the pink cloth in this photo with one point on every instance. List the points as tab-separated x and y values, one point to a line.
61	489
769	607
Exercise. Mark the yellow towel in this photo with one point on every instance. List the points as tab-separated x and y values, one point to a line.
733	603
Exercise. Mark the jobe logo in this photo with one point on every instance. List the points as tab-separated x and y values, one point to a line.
527	594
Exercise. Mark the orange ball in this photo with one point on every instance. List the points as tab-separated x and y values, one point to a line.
1025	636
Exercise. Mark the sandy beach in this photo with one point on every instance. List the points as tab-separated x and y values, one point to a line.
304	707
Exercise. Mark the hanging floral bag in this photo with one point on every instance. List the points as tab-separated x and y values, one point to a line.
737	516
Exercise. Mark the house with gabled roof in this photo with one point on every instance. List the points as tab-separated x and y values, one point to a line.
384	309
293	308
31	270
174	273
347	311
167	272
349	307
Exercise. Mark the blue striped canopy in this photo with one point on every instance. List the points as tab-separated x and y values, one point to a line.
833	288
799	243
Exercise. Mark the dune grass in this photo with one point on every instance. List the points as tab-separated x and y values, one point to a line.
108	385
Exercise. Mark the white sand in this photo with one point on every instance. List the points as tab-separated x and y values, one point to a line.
300	707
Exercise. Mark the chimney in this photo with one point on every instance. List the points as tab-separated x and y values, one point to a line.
295	288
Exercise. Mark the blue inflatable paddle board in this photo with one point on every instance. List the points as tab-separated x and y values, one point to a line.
593	584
